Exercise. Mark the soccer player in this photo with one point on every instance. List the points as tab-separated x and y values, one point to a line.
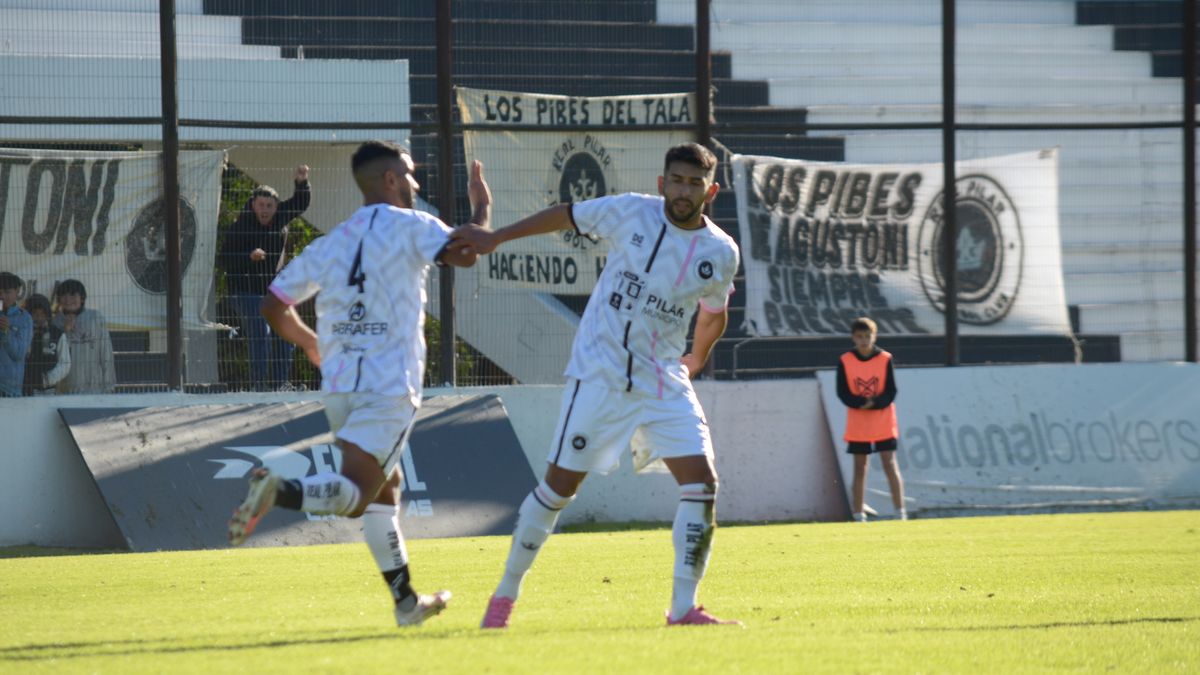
866	384
369	277
629	380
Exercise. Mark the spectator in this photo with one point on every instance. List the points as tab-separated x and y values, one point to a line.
253	251
16	330
49	358
866	384
92	369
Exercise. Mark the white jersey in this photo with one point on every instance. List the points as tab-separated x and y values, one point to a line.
369	275
635	327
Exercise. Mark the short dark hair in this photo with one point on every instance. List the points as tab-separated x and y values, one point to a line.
69	286
37	301
691	153
372	150
863	323
9	280
265	191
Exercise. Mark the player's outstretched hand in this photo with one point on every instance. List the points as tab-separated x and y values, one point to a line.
479	193
301	173
694	365
471	238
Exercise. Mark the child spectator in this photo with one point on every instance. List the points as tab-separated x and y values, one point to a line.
49	358
866	383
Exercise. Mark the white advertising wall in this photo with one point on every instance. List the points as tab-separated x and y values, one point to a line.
987	439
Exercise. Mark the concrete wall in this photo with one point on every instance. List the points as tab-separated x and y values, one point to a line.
774	458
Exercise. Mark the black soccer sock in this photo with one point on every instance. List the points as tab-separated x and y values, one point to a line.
400	582
289	495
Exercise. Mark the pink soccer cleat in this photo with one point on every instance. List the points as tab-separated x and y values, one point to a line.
497	612
697	616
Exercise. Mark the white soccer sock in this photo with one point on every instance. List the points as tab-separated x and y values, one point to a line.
692	536
535	522
859	517
381	529
328	493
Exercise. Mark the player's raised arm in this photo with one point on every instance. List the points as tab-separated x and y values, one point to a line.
481	216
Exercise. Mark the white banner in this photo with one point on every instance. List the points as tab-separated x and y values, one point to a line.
823	243
1048	436
98	217
531	170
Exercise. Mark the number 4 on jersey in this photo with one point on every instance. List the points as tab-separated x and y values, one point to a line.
357	276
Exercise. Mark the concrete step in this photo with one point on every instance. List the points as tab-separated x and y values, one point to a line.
642	11
1008	91
858	35
1106	287
1107	149
996	113
896	12
1120	257
66	26
293	30
1153	346
1165	315
150	6
1122	230
36	43
527	61
1090	12
972	63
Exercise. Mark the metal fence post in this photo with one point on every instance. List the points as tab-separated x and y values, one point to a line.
949	222
445	91
170	166
1189	179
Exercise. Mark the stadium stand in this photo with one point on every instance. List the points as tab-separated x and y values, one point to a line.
823	62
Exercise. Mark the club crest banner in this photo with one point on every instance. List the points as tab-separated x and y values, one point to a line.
545	162
823	243
98	217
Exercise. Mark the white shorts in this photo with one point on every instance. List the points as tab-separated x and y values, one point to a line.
376	423
597	424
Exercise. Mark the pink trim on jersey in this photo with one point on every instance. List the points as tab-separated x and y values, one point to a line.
287	300
657	367
333	379
686	261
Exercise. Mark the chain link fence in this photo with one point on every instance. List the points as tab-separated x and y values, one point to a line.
1077	106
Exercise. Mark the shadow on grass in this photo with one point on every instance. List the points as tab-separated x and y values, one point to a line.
52	651
75	650
47	551
640	525
1046	626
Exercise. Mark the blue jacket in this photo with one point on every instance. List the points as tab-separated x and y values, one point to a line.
14	347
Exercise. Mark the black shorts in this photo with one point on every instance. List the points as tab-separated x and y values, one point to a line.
862	448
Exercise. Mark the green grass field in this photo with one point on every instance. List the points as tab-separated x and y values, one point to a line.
1113	592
